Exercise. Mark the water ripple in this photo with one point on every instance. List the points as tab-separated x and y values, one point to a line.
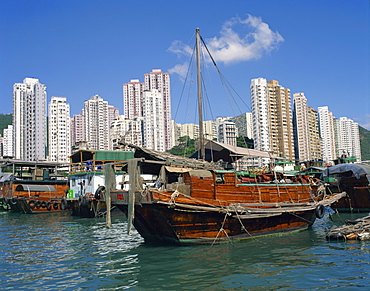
60	252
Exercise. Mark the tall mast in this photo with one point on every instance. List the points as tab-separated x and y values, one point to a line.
202	152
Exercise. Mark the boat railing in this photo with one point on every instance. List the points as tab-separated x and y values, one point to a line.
94	166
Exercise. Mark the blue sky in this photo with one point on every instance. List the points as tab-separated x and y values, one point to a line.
82	48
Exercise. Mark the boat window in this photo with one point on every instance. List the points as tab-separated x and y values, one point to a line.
73	182
220	178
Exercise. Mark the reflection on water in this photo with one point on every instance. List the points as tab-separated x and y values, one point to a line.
60	252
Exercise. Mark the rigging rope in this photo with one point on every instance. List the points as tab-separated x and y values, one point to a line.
222	230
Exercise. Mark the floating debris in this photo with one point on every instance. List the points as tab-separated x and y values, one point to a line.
358	229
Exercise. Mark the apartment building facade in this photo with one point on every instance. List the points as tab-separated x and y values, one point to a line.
272	118
59	130
327	133
29	120
96	121
348	138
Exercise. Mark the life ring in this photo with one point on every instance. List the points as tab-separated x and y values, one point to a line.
38	204
43	204
32	203
63	204
98	192
55	205
320	211
13	200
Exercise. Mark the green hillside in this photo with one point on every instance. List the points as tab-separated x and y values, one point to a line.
5	120
365	144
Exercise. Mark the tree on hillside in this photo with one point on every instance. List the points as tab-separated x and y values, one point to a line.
185	148
365	143
244	142
5	120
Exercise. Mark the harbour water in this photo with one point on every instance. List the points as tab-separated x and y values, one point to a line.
60	252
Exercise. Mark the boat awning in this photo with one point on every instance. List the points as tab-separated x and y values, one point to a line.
177	170
200	173
35	188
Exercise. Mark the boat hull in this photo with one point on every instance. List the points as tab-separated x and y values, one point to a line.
158	223
85	207
358	194
30	197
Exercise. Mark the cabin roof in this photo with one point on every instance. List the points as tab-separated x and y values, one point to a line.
230	153
172	160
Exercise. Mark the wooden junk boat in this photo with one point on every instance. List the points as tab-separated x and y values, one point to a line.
195	201
354	179
32	187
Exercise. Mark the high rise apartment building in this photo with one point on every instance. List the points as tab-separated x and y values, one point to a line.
244	124
272	118
29	120
175	132
127	131
157	80
327	133
314	134
189	129
156	84
132	99
192	130
348	138
1	146
113	113
8	141
59	130
210	130
153	122
260	114
301	127
226	130
96	123
77	129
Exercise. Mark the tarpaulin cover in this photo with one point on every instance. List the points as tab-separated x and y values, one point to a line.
356	169
7	178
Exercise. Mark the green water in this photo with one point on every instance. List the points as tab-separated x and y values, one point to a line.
60	252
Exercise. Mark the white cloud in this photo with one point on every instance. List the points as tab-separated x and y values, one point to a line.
363	121
231	46
180	69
